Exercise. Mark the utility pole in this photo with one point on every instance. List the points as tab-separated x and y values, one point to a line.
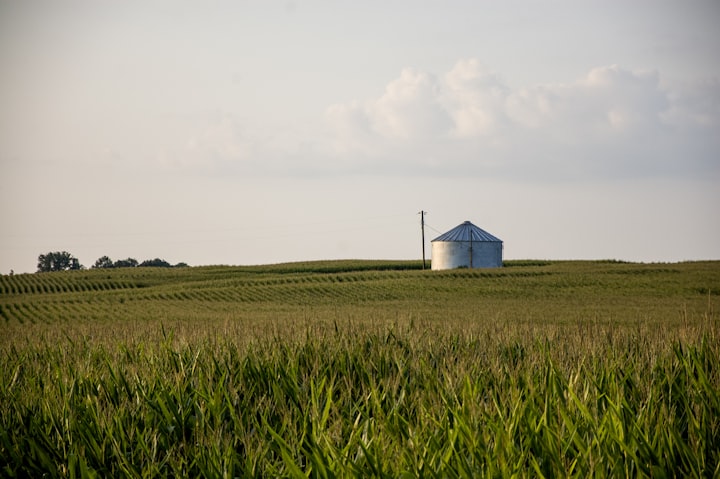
422	229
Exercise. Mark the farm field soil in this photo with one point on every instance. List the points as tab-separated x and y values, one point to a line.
362	368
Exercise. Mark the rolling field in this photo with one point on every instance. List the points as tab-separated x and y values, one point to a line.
362	368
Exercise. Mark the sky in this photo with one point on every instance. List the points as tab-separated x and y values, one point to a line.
253	132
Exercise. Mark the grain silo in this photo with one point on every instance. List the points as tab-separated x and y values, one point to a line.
466	246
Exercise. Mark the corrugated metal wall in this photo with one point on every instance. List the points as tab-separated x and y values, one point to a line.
464	254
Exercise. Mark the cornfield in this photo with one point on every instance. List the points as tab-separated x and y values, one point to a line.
362	370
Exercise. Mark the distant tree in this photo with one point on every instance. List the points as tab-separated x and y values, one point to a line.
103	262
125	263
157	262
57	261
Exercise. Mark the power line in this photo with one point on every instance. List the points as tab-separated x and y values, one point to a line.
438	232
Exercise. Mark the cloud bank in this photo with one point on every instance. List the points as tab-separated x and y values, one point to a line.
611	122
470	121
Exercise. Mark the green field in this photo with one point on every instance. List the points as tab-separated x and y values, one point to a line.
362	368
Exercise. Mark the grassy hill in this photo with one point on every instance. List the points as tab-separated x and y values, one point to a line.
362	369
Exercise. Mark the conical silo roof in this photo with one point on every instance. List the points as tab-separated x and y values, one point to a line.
467	232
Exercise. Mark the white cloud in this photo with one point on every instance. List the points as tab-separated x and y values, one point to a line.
410	108
610	122
474	97
607	102
629	100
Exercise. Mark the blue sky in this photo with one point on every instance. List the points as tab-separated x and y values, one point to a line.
251	132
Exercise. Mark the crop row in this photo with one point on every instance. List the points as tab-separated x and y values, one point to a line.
34	284
350	286
54	308
54	283
54	311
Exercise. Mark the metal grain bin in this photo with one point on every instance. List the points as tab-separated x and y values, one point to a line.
466	246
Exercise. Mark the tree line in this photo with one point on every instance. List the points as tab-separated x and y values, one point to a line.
64	261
